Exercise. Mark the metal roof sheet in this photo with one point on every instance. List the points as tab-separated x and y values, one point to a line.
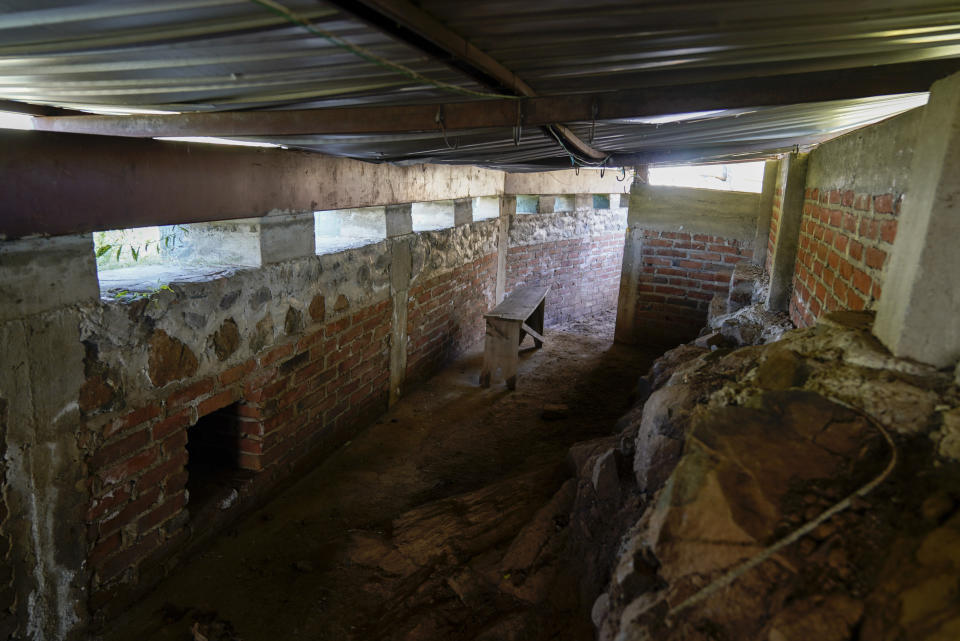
205	55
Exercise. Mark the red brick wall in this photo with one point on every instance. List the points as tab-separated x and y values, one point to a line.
680	273
293	397
445	315
845	238
583	273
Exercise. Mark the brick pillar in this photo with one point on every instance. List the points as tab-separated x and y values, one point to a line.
920	303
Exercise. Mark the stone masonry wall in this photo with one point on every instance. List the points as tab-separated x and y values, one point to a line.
453	285
577	253
854	189
301	346
290	358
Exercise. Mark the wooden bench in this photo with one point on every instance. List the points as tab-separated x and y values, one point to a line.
519	314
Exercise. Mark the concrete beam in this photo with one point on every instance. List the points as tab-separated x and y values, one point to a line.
793	178
57	184
729	214
764	211
588	181
920	304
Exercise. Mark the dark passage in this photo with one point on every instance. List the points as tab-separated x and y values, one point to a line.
213	448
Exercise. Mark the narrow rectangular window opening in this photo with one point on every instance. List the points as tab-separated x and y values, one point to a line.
740	176
431	216
341	229
528	204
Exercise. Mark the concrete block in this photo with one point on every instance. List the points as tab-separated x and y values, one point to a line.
546	204
701	211
918	309
463	211
40	274
582	202
399	220
286	237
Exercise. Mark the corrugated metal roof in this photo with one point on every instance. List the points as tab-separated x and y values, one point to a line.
567	45
189	55
192	55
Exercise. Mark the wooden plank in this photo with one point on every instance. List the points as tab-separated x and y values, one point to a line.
536	335
786	89
520	304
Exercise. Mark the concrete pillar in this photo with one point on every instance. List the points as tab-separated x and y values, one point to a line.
546	205
770	170
286	237
583	202
399	219
400	271
508	207
625	330
43	284
40	274
920	303
463	211
793	178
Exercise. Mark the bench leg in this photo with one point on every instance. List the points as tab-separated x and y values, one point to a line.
489	355
537	323
511	355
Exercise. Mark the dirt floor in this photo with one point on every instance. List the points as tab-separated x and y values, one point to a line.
440	521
